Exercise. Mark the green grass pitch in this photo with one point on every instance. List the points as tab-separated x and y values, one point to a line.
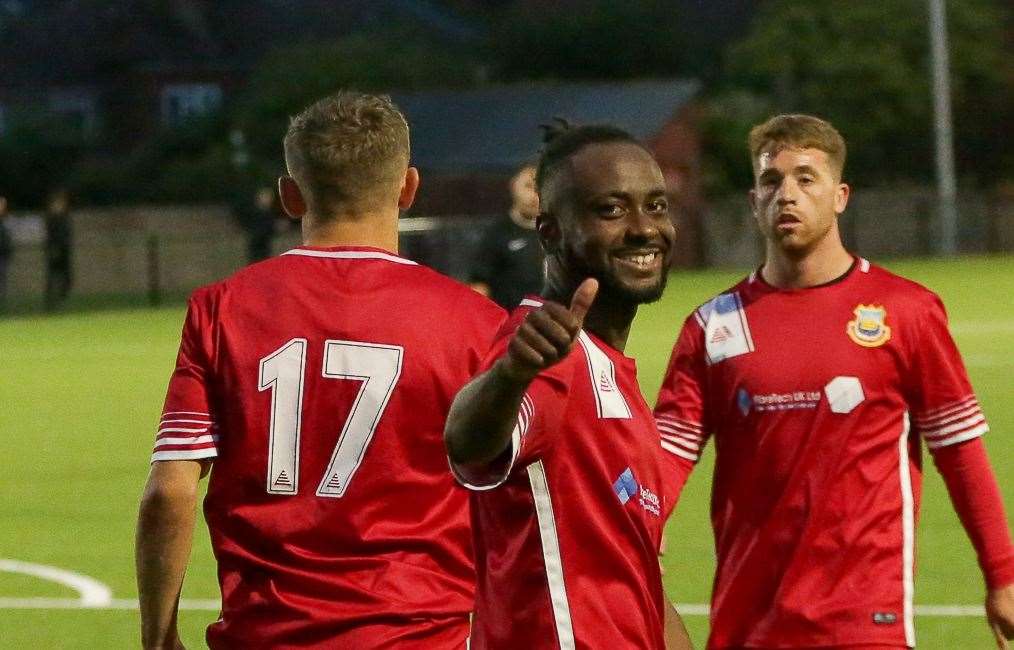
80	395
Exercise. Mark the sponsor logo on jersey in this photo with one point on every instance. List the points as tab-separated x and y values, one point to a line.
744	401
517	244
869	329
626	488
797	399
649	501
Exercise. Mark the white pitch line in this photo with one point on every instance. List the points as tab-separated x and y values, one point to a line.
92	592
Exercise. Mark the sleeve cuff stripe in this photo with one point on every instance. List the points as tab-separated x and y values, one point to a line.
683	442
679	452
679	431
497	481
168	413
962	437
197	440
946	419
165	430
693	426
187	447
954	428
942	411
184	454
166	421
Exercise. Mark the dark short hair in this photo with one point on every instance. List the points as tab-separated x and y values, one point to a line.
345	147
561	140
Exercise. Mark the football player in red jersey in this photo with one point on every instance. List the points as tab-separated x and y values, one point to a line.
818	376
314	387
555	437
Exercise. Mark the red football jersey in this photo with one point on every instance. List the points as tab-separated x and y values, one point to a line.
319	382
567	536
816	399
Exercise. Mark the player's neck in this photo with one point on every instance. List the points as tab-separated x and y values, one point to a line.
373	230
821	265
610	322
609	318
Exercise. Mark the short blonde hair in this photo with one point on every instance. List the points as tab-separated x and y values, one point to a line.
344	149
798	132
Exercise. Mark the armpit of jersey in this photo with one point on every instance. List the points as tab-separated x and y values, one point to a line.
680	437
952	423
726	331
185	435
495	474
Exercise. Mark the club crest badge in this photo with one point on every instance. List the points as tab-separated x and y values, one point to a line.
870	328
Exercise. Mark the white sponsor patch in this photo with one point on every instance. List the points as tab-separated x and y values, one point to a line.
844	394
726	332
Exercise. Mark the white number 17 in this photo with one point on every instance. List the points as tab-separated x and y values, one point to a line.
377	366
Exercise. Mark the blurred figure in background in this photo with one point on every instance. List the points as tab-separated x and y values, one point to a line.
6	251
509	261
256	215
59	235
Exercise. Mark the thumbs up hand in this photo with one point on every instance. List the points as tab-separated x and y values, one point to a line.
547	334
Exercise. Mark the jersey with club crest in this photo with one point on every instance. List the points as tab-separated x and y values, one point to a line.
567	531
816	399
319	382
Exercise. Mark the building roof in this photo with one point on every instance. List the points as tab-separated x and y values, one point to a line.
497	128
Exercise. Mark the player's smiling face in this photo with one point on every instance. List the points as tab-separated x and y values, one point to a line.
613	215
797	197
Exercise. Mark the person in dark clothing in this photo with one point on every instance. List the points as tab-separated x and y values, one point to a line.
6	251
510	258
59	261
257	218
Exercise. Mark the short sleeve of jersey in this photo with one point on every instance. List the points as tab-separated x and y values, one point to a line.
187	430
680	408
539	415
943	406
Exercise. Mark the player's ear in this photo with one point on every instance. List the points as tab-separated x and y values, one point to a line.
752	198
408	188
841	197
548	228
291	197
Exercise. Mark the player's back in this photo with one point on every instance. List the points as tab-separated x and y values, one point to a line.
333	516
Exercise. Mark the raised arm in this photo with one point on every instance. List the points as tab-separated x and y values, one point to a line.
165	527
483	414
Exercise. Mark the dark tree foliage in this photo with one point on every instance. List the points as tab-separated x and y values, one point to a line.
865	66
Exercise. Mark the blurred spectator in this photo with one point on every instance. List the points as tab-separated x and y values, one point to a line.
6	251
59	261
510	258
256	215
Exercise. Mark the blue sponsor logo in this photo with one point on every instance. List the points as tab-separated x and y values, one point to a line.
744	401
625	487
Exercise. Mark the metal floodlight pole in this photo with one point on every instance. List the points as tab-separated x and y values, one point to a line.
946	184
